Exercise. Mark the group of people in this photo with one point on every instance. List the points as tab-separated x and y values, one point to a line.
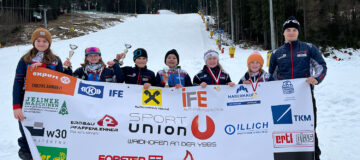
294	59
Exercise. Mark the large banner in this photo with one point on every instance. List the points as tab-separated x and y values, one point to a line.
73	119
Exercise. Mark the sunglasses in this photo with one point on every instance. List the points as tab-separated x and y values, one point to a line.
92	50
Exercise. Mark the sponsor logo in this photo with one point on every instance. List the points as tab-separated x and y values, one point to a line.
48	81
188	156
40	104
293	139
302	118
65	80
199	96
210	128
169	125
37	129
282	114
38	132
116	93
117	157
287	87
63	109
152	97
52	153
165	124
107	121
247	128
242	89
91	90
242	97
197	101
105	124
58	133
45	75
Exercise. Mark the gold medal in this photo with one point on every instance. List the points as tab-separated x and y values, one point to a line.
255	95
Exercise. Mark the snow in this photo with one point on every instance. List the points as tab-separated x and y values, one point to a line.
337	97
166	12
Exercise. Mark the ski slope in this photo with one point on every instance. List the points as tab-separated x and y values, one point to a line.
337	97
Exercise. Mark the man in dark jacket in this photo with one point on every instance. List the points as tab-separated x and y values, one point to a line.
296	59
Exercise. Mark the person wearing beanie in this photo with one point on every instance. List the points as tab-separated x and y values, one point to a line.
255	73
172	75
139	74
212	72
94	68
297	59
40	55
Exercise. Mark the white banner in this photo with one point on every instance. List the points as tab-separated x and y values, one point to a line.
111	121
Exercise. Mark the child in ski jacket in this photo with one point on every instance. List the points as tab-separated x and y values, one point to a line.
39	56
212	72
255	73
94	69
173	76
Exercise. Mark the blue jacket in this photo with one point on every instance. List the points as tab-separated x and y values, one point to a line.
205	76
135	75
113	74
20	75
176	76
297	60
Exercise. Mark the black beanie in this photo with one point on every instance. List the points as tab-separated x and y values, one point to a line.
140	52
291	22
174	52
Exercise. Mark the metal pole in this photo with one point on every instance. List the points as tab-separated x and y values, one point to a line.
232	21
118	6
206	9
218	19
135	6
45	21
272	26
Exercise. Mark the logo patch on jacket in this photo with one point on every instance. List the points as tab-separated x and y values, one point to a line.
281	57
301	54
131	75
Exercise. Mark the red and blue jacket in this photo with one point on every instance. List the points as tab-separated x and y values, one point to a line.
176	76
297	60
19	82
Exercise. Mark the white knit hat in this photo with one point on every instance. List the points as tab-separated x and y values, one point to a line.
210	53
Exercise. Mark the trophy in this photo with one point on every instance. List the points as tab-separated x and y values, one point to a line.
166	70
127	47
73	47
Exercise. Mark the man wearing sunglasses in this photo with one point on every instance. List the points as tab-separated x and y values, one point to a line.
296	59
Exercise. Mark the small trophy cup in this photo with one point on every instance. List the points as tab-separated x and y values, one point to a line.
166	70
73	47
127	46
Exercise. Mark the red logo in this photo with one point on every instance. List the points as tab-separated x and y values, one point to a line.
107	121
210	128
293	139
188	155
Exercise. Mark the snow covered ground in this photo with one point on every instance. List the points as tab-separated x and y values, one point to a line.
337	97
